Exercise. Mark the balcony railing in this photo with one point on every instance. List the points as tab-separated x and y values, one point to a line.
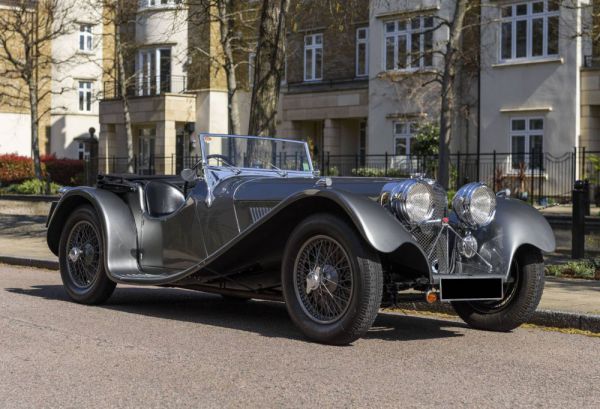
142	86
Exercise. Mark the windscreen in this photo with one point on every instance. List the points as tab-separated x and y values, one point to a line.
256	153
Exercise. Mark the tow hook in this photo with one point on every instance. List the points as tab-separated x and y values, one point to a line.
431	296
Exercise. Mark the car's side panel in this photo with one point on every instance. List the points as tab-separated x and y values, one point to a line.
516	224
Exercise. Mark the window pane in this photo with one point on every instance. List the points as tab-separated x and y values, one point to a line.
390	27
537	40
428	22
362	33
81	98
398	128
81	42
518	125
415	50
401	25
506	41
428	49
536	124
521	39
400	146
553	5
521	9
319	63
308	40
415	23
319	39
362	59
518	151
507	11
308	72
402	51
538	7
390	64
553	35
412	144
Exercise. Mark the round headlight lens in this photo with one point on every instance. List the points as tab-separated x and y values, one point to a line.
475	204
412	200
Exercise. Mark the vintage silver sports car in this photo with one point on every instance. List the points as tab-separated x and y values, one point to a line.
252	219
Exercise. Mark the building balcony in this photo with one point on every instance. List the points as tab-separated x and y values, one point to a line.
143	86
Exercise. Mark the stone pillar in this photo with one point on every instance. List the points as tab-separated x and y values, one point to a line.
332	137
164	147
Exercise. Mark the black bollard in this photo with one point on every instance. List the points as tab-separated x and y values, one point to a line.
578	230
587	202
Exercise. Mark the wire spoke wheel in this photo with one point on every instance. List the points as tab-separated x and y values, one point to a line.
323	280
83	254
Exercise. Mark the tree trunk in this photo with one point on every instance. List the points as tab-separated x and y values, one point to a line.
122	80
226	25
35	140
448	91
268	68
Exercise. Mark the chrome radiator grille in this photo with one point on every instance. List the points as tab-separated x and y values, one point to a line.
432	238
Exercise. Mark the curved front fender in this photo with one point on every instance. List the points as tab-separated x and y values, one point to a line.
378	227
516	224
118	226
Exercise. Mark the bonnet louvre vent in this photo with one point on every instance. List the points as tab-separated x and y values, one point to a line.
258	213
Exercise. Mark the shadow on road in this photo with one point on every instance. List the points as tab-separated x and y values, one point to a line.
269	319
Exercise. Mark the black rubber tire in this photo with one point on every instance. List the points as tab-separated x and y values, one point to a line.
367	279
102	287
521	306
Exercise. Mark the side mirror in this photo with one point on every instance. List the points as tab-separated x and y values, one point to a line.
189	175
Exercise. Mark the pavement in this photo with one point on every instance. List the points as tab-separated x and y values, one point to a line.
162	348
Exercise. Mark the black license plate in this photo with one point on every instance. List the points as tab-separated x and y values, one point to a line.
471	289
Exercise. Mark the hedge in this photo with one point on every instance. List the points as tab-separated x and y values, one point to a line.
16	169
66	172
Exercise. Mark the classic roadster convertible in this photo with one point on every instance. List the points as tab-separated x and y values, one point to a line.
252	219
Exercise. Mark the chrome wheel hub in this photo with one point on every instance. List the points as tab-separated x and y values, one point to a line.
323	279
74	254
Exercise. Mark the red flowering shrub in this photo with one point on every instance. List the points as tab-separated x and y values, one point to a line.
15	169
66	172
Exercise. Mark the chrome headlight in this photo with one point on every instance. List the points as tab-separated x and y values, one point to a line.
411	200
475	204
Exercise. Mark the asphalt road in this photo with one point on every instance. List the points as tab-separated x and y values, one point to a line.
159	348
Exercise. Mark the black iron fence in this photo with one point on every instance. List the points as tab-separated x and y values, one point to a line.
537	177
143	86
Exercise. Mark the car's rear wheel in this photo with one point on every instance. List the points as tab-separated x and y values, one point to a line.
332	280
522	295
81	258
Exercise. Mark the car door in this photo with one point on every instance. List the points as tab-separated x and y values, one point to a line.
173	241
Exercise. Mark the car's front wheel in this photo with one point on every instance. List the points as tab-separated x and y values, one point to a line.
332	280
522	295
81	258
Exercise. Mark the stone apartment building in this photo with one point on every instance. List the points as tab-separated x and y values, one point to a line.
70	80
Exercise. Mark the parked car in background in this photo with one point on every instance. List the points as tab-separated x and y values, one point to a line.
252	219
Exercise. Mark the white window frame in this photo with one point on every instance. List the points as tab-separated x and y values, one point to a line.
312	48
146	4
528	17
362	41
145	82
526	134
408	32
85	96
86	38
407	134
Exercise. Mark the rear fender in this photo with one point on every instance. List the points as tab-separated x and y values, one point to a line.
118	227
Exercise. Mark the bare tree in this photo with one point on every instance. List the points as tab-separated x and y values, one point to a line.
458	56
237	22
27	29
117	16
270	62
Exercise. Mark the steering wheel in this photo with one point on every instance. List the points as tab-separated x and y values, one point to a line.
222	158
